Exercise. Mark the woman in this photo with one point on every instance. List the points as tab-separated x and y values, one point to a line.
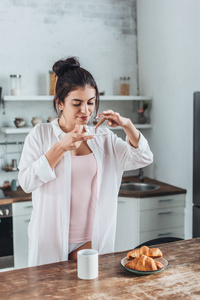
75	175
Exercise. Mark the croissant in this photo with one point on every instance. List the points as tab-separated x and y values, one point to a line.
144	263
144	250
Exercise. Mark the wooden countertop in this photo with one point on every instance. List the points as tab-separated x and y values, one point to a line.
165	189
180	280
17	196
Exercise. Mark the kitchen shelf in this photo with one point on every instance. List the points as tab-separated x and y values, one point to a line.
102	98
12	130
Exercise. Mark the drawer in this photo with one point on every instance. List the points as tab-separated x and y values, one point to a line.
162	202
22	208
161	218
168	232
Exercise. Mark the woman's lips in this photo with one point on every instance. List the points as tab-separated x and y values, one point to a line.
83	118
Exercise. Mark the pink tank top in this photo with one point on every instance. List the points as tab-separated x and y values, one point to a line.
83	197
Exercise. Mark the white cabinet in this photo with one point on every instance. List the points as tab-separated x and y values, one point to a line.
162	216
127	230
21	217
143	219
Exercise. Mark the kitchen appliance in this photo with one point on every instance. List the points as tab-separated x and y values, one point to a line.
196	165
6	234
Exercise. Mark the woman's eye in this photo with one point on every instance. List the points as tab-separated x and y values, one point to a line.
77	104
90	103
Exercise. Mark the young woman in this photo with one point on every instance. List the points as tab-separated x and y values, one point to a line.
75	175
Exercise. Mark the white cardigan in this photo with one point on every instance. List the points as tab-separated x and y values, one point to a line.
49	225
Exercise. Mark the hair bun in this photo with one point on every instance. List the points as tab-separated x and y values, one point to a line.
62	66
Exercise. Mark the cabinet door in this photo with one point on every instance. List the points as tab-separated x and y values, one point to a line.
20	234
162	202
154	234
127	230
161	218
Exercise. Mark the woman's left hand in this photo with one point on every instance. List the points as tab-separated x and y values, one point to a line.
114	119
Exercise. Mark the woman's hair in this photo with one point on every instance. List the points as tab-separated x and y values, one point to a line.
70	76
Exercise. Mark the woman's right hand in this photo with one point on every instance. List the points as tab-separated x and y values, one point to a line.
73	139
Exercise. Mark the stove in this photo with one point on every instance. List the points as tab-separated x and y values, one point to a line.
6	234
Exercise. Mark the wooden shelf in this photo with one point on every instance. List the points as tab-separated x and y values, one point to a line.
102	98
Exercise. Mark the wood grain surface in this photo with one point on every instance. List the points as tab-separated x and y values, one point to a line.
180	280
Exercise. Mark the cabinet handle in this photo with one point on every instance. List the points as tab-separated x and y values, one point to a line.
167	233
120	201
26	221
165	200
165	213
29	206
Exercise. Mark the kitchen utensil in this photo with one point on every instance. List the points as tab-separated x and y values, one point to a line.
87	263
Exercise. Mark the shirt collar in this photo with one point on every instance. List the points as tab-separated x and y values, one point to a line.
56	129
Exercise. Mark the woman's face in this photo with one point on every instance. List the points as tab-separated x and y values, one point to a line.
79	106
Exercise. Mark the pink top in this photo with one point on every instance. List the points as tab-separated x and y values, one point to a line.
83	197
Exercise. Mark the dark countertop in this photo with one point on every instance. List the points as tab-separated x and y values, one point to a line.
165	189
180	280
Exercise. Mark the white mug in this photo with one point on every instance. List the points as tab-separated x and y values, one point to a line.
87	264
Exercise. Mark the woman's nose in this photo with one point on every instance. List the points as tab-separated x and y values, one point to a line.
84	109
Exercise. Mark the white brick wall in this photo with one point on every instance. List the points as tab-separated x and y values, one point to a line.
36	33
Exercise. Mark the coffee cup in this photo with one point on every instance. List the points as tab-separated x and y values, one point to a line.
87	264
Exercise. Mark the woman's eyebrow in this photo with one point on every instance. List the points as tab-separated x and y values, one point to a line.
82	100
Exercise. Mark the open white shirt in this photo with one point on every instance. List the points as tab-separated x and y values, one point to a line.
49	225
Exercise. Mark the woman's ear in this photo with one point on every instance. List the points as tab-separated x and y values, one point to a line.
60	104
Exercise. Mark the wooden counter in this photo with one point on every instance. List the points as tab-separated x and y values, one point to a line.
17	196
165	189
181	280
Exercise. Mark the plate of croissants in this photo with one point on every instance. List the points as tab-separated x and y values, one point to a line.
144	261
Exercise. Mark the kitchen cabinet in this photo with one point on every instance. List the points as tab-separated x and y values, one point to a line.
143	219
127	229
21	217
162	216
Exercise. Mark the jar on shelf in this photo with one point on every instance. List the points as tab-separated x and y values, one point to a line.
125	86
15	84
52	83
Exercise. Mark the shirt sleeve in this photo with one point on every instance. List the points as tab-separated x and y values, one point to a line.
34	168
131	158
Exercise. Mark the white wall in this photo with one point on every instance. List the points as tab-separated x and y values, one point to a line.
168	43
36	33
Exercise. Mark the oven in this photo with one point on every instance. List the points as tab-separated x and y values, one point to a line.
6	236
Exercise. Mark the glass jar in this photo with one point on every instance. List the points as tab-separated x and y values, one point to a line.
52	83
15	84
124	86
